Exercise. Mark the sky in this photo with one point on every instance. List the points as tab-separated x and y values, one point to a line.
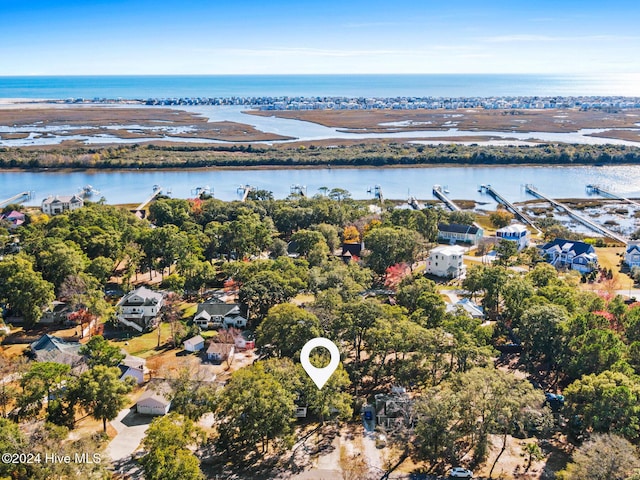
318	37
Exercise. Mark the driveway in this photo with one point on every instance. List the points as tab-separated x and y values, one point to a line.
131	428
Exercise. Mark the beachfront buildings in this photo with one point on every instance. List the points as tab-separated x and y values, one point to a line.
446	261
517	233
55	205
570	254
456	232
139	309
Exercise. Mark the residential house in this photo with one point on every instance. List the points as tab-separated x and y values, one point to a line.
632	254
393	409
139	309
237	338
55	205
216	314
475	311
134	367
516	232
456	232
351	251
219	352
446	261
55	314
14	219
570	254
194	344
153	402
49	348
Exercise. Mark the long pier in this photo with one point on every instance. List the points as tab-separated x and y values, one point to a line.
439	194
157	190
244	190
592	188
585	221
524	218
20	197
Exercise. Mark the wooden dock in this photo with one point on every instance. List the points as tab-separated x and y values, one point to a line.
439	194
139	210
597	189
585	221
524	218
18	198
244	190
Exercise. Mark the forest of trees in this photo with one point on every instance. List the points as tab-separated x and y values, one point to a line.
582	343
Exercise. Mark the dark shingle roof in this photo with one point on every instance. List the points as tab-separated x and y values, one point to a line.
577	247
457	228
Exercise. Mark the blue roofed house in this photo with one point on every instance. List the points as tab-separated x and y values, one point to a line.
49	348
632	254
570	254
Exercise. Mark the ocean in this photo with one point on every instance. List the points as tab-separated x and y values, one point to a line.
443	85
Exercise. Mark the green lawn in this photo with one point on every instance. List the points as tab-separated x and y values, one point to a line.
144	345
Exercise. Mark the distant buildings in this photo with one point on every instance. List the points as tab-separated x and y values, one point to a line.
446	261
55	205
570	254
14	219
515	232
139	309
456	232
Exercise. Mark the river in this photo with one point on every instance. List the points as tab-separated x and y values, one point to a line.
131	186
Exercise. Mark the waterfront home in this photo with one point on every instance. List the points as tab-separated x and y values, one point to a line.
194	344
516	232
55	205
446	261
216	314
139	309
632	254
570	254
456	232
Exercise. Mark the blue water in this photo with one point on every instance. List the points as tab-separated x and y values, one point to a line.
444	85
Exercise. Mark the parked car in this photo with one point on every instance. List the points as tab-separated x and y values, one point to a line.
459	472
368	415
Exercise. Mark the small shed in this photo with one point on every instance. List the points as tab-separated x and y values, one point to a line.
153	402
194	344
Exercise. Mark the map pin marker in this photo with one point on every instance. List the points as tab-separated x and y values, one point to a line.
320	375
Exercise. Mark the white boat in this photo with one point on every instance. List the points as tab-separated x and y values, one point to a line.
88	191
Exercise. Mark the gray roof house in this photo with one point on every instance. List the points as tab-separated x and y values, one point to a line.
49	348
153	402
139	308
215	314
456	232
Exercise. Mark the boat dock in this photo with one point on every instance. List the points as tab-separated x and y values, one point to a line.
585	221
244	190
413	202
377	193
597	189
139	210
439	194
524	218
18	198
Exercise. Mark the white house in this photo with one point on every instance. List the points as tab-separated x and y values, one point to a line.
133	367
218	352
475	311
139	309
153	402
516	232
446	261
194	344
632	254
216	314
570	254
54	205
